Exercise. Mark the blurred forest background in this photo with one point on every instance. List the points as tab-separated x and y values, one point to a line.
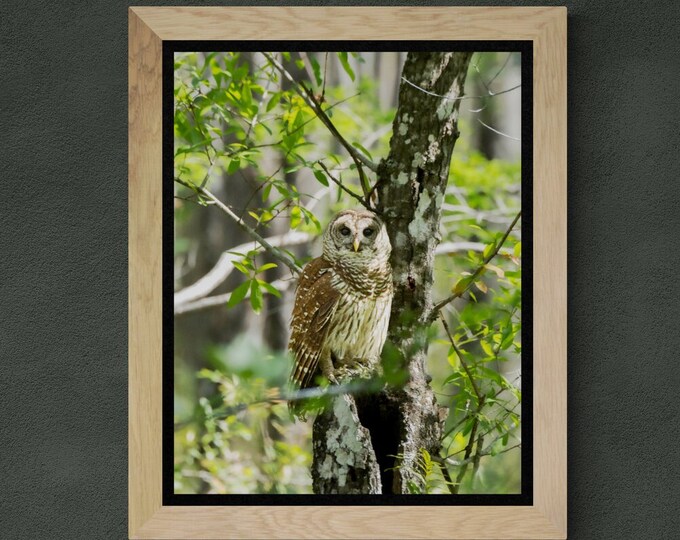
245	134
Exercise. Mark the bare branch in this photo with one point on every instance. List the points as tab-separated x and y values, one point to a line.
225	264
222	299
193	300
274	252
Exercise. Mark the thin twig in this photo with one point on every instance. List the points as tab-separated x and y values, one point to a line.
507	59
315	105
278	395
342	186
468	450
480	404
480	398
483	453
445	473
460	98
487	126
275	252
477	272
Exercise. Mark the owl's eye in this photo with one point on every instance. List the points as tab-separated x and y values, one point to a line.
368	233
344	231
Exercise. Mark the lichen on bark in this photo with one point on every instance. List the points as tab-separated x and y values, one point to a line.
412	181
344	460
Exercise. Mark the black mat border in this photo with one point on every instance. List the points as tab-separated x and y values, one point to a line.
523	499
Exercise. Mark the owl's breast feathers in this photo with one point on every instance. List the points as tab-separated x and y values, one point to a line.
340	311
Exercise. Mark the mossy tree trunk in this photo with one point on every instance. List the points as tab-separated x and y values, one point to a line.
412	181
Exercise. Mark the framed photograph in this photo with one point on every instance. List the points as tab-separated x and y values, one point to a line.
347	292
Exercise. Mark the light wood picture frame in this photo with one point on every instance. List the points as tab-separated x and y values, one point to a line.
149	27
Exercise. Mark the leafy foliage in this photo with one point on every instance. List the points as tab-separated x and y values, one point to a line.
241	125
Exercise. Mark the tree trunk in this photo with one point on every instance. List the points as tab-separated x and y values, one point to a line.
344	460
404	420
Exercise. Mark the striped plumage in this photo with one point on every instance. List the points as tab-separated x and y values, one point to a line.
342	302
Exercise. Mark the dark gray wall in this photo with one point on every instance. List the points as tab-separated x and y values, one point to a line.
63	268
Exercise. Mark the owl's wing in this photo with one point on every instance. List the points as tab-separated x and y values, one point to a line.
315	303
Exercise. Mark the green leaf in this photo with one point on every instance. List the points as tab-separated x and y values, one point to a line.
321	177
462	284
256	296
238	294
507	341
189	149
266	191
491	374
269	288
317	70
234	165
487	348
345	64
266	267
518	249
488	250
295	217
274	101
363	149
241	268
246	96
309	216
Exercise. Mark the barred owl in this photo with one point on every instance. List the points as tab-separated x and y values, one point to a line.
342	302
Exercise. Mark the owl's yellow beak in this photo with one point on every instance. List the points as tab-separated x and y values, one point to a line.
356	244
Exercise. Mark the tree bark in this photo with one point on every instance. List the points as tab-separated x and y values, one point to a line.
344	459
404	420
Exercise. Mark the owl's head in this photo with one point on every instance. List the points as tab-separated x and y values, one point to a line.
356	234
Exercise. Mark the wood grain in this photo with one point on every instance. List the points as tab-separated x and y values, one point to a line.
144	282
546	27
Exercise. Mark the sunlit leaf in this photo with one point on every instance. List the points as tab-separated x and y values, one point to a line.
266	267
256	296
238	294
487	348
345	64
